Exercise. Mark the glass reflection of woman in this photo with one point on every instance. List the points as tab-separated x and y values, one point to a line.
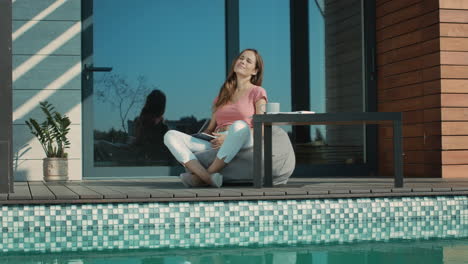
150	128
239	98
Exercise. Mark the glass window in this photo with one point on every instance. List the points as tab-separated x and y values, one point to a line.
264	26
176	47
336	80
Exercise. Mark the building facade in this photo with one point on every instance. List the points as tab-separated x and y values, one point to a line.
422	71
96	61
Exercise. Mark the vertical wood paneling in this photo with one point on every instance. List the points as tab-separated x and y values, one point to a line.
408	59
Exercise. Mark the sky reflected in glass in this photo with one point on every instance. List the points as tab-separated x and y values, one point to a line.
178	46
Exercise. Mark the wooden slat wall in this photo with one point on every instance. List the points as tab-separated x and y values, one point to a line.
408	61
46	66
454	87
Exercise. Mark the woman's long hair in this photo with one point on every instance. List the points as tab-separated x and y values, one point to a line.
229	86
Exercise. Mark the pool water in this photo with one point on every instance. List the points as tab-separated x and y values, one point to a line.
453	251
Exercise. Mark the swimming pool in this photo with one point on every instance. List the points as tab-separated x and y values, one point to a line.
438	251
220	226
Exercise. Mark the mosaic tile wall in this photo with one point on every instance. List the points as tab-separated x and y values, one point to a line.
241	223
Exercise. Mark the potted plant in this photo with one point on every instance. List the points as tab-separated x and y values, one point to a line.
52	134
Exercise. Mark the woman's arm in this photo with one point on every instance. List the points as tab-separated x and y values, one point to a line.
212	125
260	106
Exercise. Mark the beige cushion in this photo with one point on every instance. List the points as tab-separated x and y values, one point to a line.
240	169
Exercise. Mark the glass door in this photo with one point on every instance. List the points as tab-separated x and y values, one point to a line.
337	84
337	48
149	66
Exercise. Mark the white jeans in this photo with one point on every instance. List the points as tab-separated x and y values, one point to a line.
182	146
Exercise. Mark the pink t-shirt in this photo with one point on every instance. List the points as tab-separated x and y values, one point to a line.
243	109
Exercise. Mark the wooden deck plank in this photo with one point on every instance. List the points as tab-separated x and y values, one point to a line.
441	189
39	191
317	192
222	192
401	190
62	193
381	190
460	188
273	192
83	192
184	193
360	190
132	192
228	192
293	191
156	191
105	191
21	192
150	190
421	189
252	192
204	192
161	193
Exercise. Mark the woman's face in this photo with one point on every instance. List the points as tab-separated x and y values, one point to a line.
246	64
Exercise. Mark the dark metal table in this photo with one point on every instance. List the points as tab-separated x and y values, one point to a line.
265	121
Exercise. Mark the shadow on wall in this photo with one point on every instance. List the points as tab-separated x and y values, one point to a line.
18	159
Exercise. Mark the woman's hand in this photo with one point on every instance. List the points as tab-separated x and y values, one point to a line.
218	141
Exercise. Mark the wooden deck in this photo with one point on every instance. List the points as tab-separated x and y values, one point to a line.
171	189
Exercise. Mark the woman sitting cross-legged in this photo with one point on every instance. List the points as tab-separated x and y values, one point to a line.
239	98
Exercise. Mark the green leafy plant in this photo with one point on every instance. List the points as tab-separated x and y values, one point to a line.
52	133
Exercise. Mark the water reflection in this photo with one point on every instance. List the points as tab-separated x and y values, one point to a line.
410	251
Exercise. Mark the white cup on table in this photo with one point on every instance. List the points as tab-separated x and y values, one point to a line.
272	107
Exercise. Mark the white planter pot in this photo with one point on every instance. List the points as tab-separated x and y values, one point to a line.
55	169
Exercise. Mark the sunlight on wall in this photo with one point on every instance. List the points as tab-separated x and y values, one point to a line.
27	164
29	105
26	66
37	18
50	48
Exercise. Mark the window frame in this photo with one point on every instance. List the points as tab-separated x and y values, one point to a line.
231	12
6	100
